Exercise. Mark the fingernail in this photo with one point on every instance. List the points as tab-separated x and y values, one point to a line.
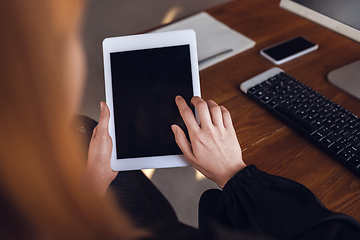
102	106
173	128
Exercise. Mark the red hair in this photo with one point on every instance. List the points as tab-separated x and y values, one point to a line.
40	159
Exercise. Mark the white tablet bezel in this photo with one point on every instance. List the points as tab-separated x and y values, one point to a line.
138	42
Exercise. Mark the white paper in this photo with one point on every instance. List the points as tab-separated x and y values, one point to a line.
213	37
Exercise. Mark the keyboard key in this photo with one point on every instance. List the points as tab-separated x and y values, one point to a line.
272	104
265	99
254	89
318	136
327	142
344	156
336	148
355	162
259	94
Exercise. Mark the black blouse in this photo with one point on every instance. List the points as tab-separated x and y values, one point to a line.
253	205
266	205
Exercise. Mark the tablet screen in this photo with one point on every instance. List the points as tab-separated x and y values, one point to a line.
145	83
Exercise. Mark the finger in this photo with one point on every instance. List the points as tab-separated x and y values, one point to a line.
94	132
226	117
203	110
186	113
184	145
104	118
182	142
216	113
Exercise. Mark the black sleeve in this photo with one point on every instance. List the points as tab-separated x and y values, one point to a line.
257	202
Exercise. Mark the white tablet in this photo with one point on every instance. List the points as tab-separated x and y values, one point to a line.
143	74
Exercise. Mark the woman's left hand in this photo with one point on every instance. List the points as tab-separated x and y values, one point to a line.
98	173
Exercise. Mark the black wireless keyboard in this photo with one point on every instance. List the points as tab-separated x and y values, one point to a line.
332	128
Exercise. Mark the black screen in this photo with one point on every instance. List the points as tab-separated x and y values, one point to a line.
288	48
145	83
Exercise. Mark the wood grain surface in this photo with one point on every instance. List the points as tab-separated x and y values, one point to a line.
266	141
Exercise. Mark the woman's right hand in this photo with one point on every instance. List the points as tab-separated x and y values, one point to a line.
214	149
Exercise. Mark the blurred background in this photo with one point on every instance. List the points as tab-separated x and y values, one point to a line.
109	18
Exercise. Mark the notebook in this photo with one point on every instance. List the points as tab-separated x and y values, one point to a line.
215	40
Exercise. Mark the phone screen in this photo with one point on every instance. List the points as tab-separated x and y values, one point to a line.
288	48
145	83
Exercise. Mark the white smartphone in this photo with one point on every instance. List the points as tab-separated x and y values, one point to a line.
287	50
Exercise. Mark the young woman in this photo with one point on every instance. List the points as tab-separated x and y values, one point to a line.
41	161
47	191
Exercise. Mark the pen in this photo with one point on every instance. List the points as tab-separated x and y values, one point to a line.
214	56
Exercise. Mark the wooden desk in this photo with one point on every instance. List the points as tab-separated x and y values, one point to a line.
266	141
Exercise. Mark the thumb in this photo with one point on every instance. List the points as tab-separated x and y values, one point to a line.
104	117
182	142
